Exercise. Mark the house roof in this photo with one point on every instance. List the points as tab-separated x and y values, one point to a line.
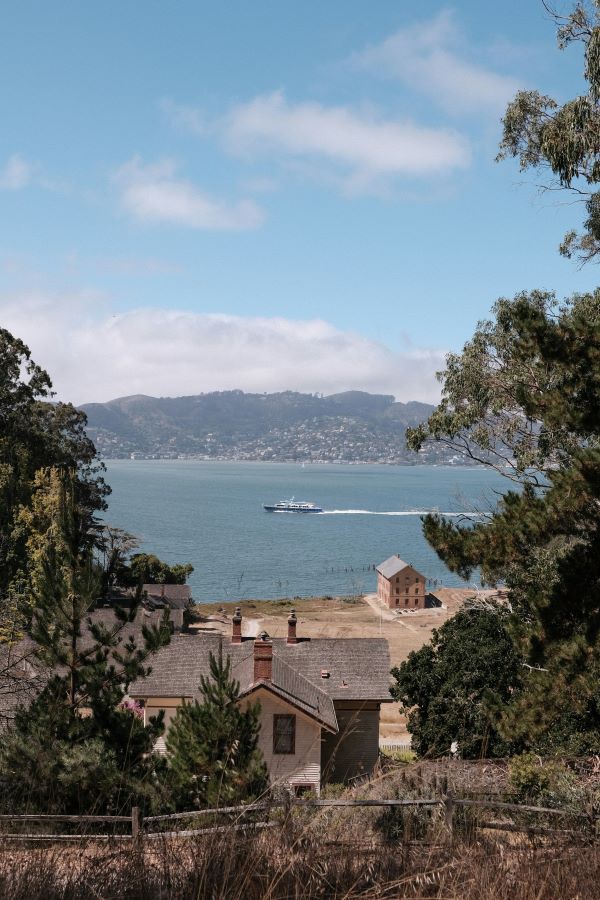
293	688
392	566
23	675
177	596
309	671
359	668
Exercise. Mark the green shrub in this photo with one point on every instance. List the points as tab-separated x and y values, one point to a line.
397	756
546	782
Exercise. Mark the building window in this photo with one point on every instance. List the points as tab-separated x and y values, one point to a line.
406	601
284	734
416	601
397	590
300	790
406	589
416	590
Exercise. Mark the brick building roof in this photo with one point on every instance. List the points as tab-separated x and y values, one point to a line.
392	566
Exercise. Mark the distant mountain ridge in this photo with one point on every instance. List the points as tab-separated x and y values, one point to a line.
353	426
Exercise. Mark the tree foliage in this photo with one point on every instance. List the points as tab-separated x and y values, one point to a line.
524	396
212	745
146	568
36	433
77	747
451	686
563	139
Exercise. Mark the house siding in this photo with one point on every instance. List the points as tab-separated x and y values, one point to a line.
354	751
406	590
303	767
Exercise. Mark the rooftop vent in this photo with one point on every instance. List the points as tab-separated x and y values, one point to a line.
325	673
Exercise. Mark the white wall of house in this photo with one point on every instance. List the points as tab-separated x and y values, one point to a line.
169	705
303	767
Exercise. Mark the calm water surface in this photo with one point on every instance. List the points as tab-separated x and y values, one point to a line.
210	514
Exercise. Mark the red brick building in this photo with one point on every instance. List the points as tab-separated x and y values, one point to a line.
399	585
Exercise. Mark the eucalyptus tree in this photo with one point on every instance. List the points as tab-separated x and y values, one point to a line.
562	139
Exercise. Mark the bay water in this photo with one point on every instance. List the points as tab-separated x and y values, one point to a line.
210	513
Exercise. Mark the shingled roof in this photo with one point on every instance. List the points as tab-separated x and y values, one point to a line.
177	596
292	687
313	672
23	675
391	566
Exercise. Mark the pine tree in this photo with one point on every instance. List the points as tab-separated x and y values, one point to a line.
212	745
77	747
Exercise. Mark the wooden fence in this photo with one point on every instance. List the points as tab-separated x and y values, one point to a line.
141	828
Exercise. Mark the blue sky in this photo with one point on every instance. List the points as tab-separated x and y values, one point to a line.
268	196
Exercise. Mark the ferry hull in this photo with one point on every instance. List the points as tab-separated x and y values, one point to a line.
315	509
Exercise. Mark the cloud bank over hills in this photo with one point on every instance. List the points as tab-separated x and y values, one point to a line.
94	355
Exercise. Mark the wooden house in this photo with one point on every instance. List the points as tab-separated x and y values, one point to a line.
320	698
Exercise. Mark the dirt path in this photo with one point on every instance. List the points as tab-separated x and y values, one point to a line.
384	613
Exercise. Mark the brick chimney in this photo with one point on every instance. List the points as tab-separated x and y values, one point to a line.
292	622
263	658
236	634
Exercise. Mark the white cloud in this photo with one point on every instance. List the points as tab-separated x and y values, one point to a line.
15	174
153	194
96	356
430	58
361	142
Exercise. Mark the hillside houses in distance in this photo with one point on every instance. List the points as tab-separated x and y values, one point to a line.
350	427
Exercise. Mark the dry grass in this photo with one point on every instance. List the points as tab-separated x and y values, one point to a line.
305	860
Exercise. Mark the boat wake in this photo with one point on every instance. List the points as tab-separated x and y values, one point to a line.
404	512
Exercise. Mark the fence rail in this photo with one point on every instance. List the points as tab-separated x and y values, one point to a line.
138	825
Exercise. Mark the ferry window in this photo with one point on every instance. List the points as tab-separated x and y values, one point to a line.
284	734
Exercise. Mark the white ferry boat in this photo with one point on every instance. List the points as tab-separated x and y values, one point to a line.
291	505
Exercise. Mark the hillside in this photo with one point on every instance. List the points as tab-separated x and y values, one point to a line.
349	427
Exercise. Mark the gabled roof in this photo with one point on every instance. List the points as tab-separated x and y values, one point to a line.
354	668
338	668
293	688
392	566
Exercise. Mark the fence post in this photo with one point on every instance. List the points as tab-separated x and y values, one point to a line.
136	826
449	812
